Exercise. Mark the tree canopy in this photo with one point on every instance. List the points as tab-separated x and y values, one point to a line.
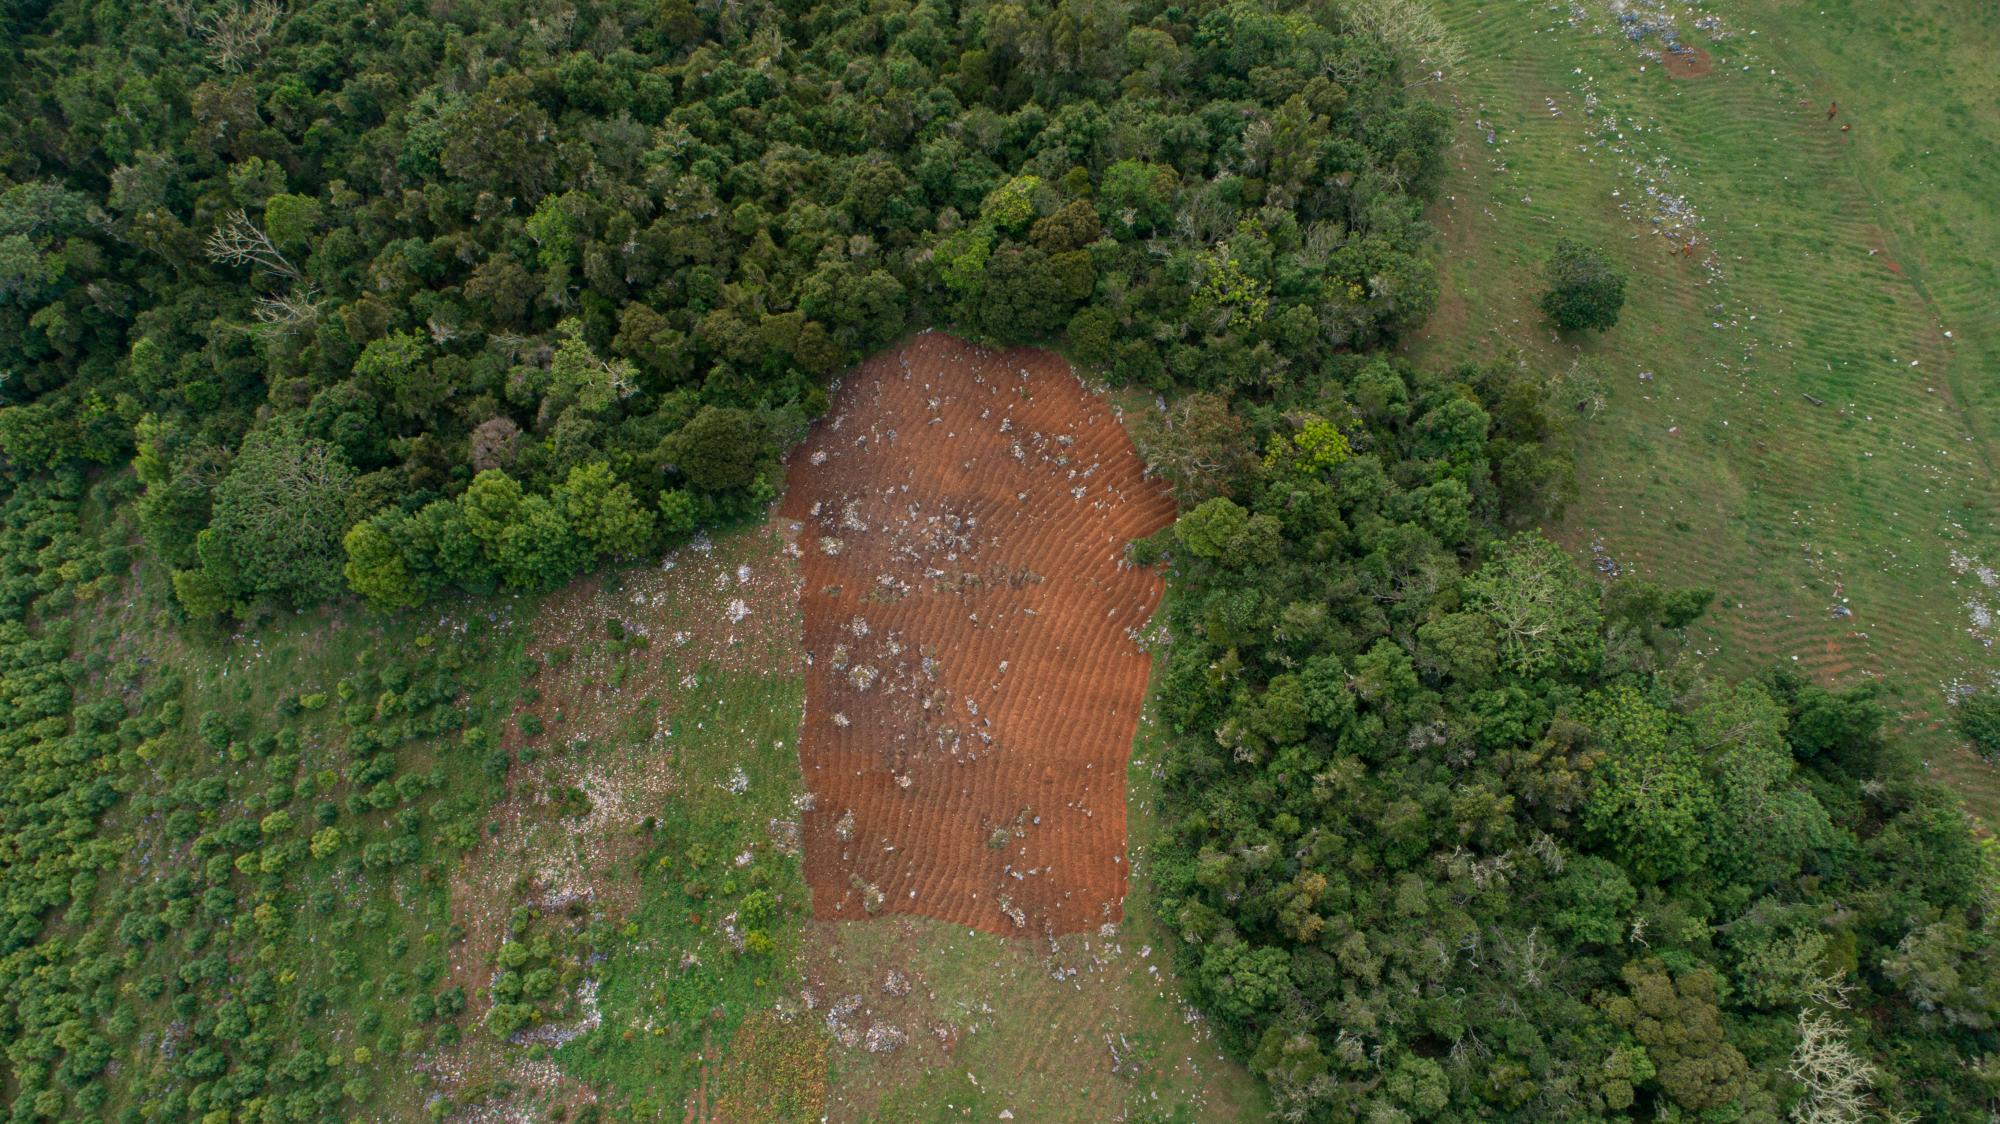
647	239
1456	832
1585	292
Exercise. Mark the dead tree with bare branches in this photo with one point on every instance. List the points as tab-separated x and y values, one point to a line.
239	241
1414	31
1835	1078
234	37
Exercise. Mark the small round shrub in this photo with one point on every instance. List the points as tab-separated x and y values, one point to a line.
1584	292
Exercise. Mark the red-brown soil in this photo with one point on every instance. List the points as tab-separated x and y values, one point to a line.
1688	62
973	679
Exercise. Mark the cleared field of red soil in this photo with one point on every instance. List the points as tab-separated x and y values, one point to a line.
973	678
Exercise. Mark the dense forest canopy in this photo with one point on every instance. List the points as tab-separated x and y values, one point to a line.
401	298
1458	834
504	289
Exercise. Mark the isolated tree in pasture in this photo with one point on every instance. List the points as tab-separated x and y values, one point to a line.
1585	292
1979	720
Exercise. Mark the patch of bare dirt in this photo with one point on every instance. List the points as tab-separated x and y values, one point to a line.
1878	248
973	680
1687	62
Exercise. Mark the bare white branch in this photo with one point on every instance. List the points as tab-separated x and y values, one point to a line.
234	37
238	241
1836	1079
1413	30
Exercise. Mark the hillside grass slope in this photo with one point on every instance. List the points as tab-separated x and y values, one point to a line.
1845	258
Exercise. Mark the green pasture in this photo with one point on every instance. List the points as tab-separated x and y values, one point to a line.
1799	410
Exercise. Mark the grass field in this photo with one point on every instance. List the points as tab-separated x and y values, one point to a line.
1854	266
655	764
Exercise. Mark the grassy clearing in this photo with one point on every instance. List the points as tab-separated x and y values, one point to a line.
1825	263
654	774
632	799
675	995
692	1024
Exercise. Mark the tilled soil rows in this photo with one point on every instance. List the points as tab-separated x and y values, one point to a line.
974	677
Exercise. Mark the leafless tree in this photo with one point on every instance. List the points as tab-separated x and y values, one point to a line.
1549	851
1413	30
296	309
1836	1079
1193	444
1582	388
182	12
238	241
494	443
233	37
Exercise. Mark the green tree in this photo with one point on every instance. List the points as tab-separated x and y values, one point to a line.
1651	802
1765	824
539	549
1544	614
603	511
677	512
376	567
1584	291
1211	528
440	547
1978	719
1240	981
1315	449
1678	1022
1596	900
36	436
280	515
291	220
961	257
489	507
721	449
1011	206
1944	971
1137	197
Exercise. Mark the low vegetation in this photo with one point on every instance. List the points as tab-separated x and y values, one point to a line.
1789	411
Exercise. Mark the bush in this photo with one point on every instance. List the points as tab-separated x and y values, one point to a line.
1584	291
1979	721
